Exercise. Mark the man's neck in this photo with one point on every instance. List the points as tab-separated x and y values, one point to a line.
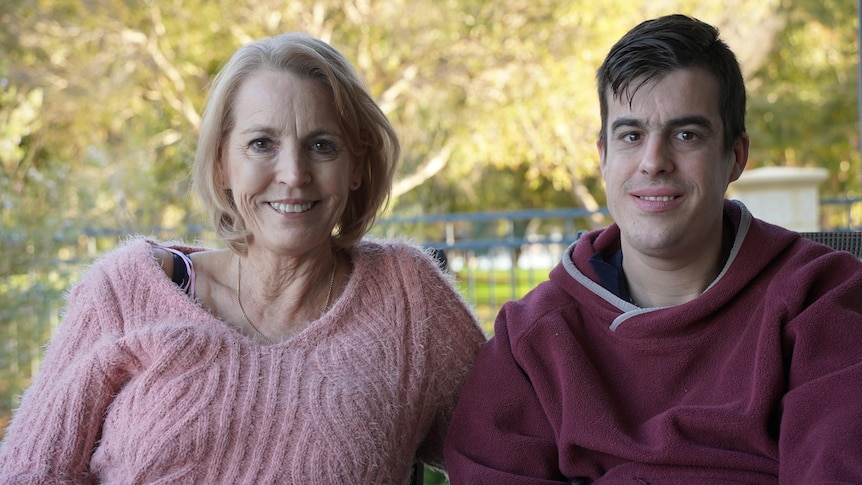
660	281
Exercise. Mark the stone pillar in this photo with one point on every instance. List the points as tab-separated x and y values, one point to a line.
787	196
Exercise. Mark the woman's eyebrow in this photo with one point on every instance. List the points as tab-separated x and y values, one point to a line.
266	130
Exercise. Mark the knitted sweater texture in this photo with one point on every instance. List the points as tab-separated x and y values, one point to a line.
142	385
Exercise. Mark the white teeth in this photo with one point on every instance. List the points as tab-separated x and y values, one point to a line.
664	198
291	208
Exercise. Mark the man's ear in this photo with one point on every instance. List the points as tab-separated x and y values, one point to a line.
600	146
740	157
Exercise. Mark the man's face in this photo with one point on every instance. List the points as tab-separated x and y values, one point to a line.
665	166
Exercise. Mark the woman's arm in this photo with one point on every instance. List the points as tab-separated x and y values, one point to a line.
54	432
454	340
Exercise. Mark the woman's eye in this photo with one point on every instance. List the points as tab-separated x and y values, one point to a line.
261	145
323	147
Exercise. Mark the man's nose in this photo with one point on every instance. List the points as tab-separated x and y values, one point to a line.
657	158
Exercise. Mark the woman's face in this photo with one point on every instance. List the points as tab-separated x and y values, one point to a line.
287	163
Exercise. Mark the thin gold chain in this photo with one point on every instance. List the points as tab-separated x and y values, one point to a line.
245	315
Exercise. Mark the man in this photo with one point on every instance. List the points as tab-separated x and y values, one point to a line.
688	342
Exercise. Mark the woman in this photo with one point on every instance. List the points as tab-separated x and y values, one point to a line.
301	354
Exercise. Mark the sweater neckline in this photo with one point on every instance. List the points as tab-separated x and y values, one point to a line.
331	317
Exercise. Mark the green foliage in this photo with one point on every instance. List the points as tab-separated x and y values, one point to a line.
434	477
803	100
31	304
19	118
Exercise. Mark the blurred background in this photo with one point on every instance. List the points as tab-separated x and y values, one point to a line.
495	103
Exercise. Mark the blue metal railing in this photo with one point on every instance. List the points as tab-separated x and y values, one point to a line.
841	213
496	256
457	230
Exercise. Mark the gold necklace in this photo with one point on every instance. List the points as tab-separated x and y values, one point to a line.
244	314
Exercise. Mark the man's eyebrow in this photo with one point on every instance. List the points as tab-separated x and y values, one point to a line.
627	122
695	120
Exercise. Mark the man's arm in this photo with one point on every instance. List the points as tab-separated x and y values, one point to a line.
499	433
820	434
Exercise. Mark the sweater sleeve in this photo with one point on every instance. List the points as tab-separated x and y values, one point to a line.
499	433
820	434
450	340
54	432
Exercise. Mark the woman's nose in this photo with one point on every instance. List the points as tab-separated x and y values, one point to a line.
292	168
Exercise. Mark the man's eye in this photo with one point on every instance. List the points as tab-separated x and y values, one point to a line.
687	135
631	137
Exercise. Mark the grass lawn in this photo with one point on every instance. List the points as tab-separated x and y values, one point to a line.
488	290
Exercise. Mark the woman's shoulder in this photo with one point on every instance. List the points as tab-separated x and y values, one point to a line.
398	252
135	249
409	267
386	248
137	256
132	251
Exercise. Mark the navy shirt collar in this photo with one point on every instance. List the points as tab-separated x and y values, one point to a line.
610	273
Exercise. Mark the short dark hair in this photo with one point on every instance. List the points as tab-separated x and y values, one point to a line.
655	48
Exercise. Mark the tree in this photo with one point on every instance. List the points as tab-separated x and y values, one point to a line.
473	87
803	100
523	96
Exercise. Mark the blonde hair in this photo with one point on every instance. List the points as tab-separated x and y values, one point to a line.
369	135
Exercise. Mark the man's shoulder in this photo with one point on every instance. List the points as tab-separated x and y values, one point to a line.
539	309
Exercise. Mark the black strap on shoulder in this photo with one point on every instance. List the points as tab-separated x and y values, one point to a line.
180	275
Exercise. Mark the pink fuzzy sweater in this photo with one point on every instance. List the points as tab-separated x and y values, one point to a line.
141	385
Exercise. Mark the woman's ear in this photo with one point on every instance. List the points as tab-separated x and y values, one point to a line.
221	177
356	176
